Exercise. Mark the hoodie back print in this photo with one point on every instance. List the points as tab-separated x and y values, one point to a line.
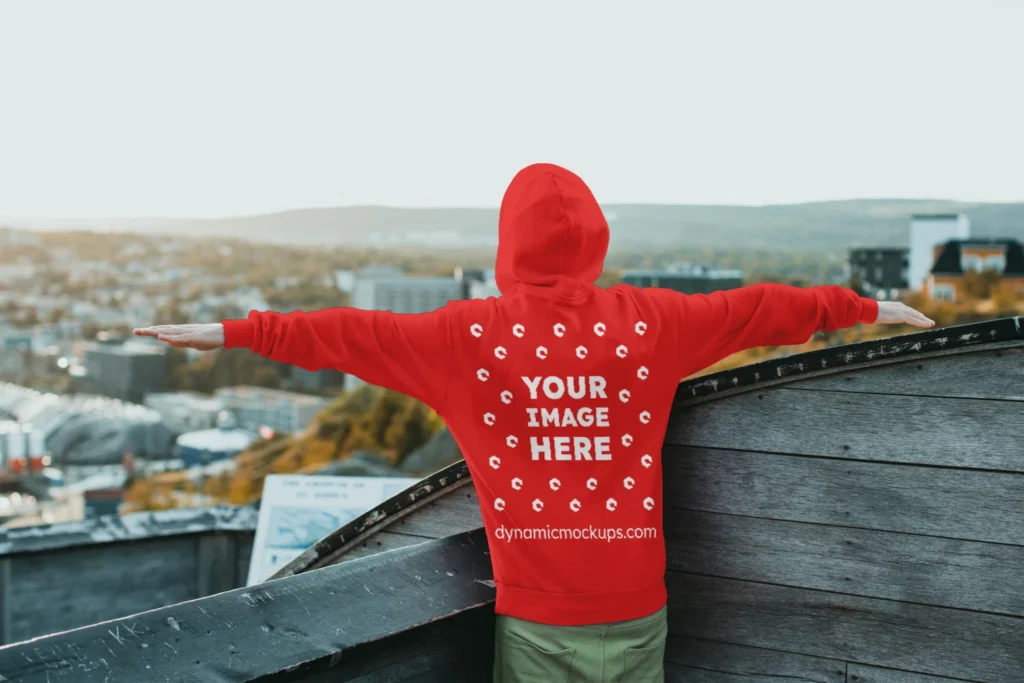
558	393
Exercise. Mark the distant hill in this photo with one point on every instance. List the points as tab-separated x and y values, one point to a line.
829	225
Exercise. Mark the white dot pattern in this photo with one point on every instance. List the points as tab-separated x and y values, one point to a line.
506	396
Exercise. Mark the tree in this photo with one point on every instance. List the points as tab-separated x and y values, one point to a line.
243	490
1007	302
28	317
857	285
169	315
981	285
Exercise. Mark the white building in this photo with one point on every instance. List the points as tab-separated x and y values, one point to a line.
185	411
16	272
382	288
483	290
405	294
282	411
928	232
345	280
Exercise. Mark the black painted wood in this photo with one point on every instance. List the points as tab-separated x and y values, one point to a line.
886	633
964	504
458	649
910	568
288	629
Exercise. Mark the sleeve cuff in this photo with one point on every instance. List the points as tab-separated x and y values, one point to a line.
238	334
868	310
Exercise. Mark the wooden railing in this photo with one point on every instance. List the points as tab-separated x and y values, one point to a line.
63	576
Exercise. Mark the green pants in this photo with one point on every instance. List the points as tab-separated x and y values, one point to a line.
621	652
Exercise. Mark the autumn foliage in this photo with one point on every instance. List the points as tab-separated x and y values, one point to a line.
368	419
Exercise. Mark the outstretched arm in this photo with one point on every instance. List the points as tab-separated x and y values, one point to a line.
714	326
409	353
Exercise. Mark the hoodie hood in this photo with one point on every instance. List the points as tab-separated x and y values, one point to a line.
552	233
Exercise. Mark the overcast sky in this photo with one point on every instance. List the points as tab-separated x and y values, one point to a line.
205	108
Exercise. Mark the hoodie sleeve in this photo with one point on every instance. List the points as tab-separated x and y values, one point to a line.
714	326
408	353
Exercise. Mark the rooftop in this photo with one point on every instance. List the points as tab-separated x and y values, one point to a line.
895	249
689	272
218	440
936	216
949	259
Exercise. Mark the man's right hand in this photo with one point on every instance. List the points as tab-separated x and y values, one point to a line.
895	313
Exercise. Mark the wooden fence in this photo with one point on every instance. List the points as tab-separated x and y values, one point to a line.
63	576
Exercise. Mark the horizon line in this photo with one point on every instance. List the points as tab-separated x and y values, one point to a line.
11	221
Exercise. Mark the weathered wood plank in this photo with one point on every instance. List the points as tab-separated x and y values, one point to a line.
689	660
295	626
243	544
906	429
381	542
120	528
216	564
53	592
969	505
885	633
332	548
879	564
858	673
452	514
990	374
5	600
958	339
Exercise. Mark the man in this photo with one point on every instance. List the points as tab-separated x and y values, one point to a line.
558	393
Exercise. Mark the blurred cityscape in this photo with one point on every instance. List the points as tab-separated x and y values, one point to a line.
94	421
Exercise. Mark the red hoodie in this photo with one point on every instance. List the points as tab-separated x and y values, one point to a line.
558	393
